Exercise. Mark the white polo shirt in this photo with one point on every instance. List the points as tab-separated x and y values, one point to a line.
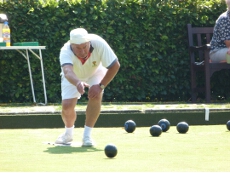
101	58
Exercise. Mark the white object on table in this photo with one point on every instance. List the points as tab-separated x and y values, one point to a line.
20	49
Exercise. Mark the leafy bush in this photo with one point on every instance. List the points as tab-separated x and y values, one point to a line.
149	38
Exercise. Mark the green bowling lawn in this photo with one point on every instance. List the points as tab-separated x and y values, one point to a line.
202	148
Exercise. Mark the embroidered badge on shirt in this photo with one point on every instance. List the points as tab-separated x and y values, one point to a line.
94	64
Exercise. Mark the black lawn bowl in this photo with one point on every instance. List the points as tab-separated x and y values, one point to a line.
130	126
182	127
110	150
155	130
228	125
165	124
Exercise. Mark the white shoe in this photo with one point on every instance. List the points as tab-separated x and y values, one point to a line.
87	142
64	139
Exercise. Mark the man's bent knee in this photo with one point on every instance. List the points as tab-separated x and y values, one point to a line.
69	104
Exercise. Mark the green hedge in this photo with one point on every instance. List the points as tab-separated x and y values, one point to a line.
149	38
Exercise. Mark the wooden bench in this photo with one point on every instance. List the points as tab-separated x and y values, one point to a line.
199	39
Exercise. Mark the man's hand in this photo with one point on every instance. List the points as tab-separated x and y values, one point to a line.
81	87
228	52
227	43
94	91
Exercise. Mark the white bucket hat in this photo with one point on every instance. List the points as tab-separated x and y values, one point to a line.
79	36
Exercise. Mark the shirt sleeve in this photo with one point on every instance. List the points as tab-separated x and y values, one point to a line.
222	27
108	57
220	33
66	55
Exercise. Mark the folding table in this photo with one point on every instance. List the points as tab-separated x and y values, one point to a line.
24	51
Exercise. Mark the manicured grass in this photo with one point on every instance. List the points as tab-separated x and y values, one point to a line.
203	148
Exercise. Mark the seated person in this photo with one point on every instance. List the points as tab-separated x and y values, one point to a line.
220	43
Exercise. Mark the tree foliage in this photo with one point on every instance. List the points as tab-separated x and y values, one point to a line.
149	38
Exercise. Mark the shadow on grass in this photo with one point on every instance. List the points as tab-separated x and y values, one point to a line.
69	150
